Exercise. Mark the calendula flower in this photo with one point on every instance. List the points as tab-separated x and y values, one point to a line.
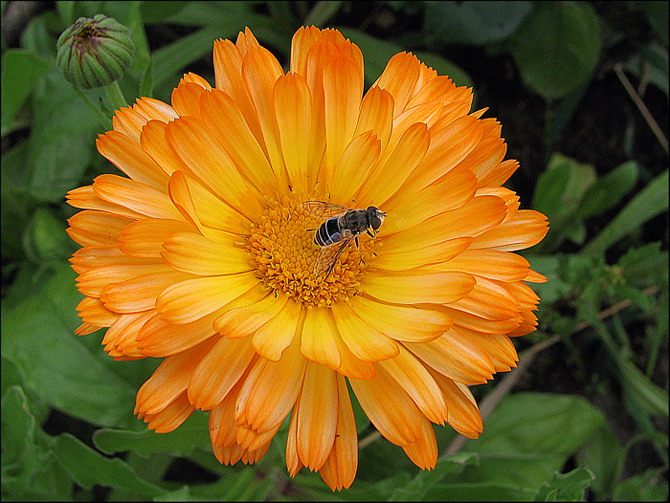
205	253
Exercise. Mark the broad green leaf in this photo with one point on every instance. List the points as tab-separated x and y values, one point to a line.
321	13
641	266
654	60
21	70
66	11
478	491
557	47
607	191
647	486
473	22
38	338
157	11
17	205
89	468
642	391
537	424
657	14
62	142
602	454
45	238
29	470
558	194
566	487
648	203
180	442
211	13
417	488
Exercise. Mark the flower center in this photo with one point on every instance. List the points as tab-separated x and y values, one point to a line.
281	244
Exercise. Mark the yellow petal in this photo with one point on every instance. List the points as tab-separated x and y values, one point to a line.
401	255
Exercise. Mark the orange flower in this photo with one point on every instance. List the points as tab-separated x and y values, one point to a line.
205	255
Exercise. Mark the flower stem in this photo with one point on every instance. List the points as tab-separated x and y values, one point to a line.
115	96
104	120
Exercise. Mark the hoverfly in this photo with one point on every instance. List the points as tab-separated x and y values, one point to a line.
341	227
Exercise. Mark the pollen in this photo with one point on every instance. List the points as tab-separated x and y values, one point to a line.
282	248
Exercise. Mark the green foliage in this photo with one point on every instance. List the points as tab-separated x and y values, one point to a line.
604	393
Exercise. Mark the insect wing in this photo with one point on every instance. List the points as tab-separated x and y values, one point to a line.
322	209
328	255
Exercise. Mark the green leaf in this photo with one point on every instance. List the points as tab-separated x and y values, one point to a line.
21	70
445	67
38	338
158	11
193	433
647	486
530	436
602	454
62	142
640	266
558	194
45	238
88	468
29	471
648	203
566	487
321	13
478	491
473	22
16	203
657	15
609	190
557	47
641	390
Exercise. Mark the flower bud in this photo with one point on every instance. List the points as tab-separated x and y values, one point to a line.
94	52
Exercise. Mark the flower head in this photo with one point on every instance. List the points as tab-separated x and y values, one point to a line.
205	253
94	52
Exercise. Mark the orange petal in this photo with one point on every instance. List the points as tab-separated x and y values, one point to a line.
525	229
139	293
170	379
160	339
364	341
464	414
155	142
423	451
271	390
96	228
457	358
396	166
193	299
92	257
136	196
86	198
171	417
399	78
186	98
318	339
211	164
219	371
92	282
376	115
389	407
226	124
417	287
317	417
492	264
404	323
145	238
193	253
273	337
412	375
93	311
339	470
129	157
250	315
401	255
354	165
293	113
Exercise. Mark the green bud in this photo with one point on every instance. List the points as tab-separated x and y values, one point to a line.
94	52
